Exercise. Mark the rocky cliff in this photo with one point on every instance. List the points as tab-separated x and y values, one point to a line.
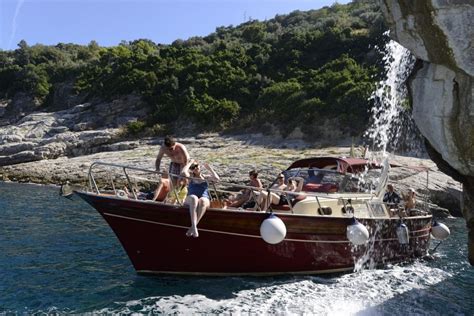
441	35
80	130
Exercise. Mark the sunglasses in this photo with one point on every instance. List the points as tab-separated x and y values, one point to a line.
193	167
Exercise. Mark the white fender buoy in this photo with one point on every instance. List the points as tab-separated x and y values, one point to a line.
273	230
121	194
357	233
403	234
66	190
440	231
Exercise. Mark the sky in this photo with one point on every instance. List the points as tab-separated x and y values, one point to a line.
108	22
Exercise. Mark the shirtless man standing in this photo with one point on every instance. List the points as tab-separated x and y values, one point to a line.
176	152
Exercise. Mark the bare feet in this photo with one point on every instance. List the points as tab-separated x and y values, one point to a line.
189	232
192	232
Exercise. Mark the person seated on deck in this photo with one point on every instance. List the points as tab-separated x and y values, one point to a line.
244	197
254	180
179	193
253	194
159	194
294	185
410	201
163	187
392	199
264	199
198	198
236	199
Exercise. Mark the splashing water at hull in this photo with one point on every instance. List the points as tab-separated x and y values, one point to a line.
392	127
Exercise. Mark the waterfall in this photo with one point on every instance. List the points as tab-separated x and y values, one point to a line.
392	128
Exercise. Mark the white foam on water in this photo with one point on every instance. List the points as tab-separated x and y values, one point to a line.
362	293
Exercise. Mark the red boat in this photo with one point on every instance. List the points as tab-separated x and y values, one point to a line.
339	223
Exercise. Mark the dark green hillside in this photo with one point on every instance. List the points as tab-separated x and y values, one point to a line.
304	69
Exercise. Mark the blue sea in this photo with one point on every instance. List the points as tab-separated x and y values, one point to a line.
59	256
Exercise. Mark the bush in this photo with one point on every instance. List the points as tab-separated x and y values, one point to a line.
136	128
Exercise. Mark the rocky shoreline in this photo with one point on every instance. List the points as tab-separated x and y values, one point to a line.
232	157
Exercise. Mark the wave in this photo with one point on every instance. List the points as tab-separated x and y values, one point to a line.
369	292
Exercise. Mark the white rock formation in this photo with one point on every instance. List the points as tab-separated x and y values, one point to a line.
441	34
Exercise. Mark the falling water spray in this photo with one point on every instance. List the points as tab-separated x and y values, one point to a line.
392	127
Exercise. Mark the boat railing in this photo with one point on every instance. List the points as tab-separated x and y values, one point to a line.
139	182
131	180
219	190
125	169
136	179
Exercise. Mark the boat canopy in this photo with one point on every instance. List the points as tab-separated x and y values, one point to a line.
341	165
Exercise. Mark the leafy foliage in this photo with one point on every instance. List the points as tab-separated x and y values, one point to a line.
294	70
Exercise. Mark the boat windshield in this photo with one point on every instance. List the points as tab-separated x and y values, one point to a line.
331	181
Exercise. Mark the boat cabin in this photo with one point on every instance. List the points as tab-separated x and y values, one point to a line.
331	174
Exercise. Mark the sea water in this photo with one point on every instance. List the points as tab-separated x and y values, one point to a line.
59	256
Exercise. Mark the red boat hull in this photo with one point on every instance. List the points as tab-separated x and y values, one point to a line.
229	243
